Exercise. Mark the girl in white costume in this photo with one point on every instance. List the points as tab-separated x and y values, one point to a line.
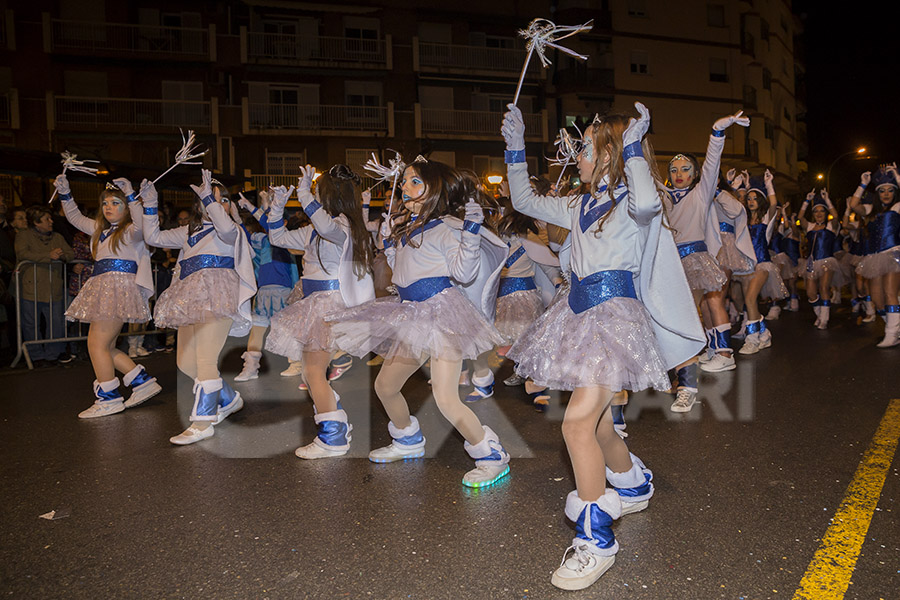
696	230
821	266
337	259
765	281
629	317
209	298
882	266
115	294
440	265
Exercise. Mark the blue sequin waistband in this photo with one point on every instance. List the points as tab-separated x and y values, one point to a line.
600	287
119	265
691	247
423	289
204	261
311	286
726	227
508	285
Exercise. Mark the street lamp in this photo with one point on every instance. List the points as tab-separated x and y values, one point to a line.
495	179
820	177
860	151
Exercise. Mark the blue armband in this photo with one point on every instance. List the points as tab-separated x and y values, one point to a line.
387	243
311	208
65	197
514	156
131	198
471	226
717	133
276	224
151	210
207	200
631	150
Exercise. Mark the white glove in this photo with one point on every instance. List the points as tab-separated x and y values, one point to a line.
245	204
891	170
366	198
149	195
280	196
726	122
811	195
513	128
731	176
263	196
305	181
637	129
738	182
124	185
474	212
865	178
825	197
769	179
205	188
385	229
61	183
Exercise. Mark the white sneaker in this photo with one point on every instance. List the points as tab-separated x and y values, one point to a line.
765	339
395	452
224	411
718	363
684	400
751	344
581	569
513	380
633	507
314	450
705	357
102	409
142	393
295	369
141	351
192	435
247	373
485	475
774	313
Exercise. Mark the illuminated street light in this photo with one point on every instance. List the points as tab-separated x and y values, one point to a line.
820	177
861	150
495	179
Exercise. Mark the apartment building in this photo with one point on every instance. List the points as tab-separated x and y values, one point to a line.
270	84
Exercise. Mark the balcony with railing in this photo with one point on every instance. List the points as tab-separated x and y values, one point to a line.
466	60
131	115
120	40
474	124
317	51
318	119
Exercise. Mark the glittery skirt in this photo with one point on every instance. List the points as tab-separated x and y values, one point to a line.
820	267
878	264
203	296
611	344
702	272
516	311
773	288
788	269
269	300
853	261
730	258
296	294
301	327
446	326
111	296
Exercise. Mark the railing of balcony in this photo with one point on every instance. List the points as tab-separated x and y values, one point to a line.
472	122
474	57
272	46
130	39
131	114
318	117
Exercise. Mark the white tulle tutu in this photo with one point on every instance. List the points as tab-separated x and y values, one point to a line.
447	326
773	288
730	258
878	264
702	272
301	327
269	300
203	296
516	311
611	345
822	266
296	294
787	268
111	296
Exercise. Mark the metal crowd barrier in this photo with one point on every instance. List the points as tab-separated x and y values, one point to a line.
68	328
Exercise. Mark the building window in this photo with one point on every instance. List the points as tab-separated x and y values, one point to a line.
767	79
764	30
749	96
787	115
362	93
784	24
362	35
637	8
715	15
769	128
639	62
718	70
284	163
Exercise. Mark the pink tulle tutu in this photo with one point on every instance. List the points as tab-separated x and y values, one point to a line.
516	311
611	345
301	327
446	326
730	258
702	272
203	296
111	296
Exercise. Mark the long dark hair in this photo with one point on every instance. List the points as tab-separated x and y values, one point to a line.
514	223
446	192
195	222
339	194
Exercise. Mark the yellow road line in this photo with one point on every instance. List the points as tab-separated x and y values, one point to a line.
828	575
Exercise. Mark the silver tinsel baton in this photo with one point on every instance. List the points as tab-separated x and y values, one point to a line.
542	33
567	151
383	173
188	154
70	162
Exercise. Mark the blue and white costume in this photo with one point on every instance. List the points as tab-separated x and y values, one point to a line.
695	224
276	273
820	244
736	253
329	282
122	280
519	299
447	273
760	236
784	248
884	244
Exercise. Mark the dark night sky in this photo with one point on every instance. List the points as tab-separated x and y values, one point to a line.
852	58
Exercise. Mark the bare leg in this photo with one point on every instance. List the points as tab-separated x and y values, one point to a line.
315	367
393	374
255	341
751	294
101	342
